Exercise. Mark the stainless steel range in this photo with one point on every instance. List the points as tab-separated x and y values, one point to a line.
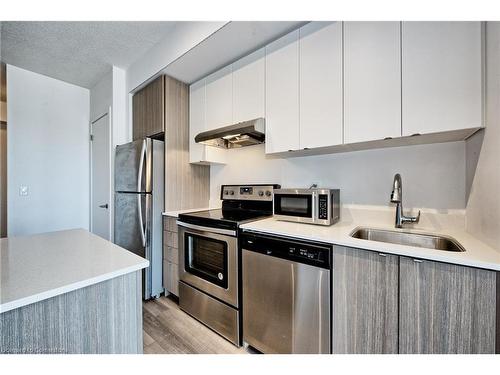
210	261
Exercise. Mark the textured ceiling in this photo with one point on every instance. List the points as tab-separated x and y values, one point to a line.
78	52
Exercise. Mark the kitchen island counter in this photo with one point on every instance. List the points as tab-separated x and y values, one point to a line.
37	267
69	292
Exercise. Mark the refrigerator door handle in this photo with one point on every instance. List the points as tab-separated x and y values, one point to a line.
139	196
141	221
141	166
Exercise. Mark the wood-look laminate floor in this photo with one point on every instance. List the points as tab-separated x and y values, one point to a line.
169	330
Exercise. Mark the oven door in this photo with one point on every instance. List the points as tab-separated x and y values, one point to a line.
294	206
208	261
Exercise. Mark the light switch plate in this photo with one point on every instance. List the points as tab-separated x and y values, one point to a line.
23	190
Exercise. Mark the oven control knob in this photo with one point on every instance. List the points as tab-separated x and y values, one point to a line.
261	193
231	192
226	192
268	193
220	276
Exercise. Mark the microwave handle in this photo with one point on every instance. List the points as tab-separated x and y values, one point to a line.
314	204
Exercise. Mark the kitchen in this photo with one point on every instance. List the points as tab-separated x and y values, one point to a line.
253	203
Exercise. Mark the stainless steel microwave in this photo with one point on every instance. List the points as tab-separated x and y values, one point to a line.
311	206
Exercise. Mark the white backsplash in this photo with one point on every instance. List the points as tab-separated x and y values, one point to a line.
430	219
433	175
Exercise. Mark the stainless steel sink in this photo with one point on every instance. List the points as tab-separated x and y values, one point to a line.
425	240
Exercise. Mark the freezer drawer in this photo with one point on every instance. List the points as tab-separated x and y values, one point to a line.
286	305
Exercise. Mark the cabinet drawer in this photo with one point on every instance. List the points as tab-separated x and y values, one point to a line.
170	224
171	254
171	277
170	239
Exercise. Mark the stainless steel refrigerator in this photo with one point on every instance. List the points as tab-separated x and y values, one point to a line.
139	202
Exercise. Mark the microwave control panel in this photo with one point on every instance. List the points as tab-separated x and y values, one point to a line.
323	206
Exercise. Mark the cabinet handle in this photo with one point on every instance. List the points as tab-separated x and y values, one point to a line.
382	254
418	261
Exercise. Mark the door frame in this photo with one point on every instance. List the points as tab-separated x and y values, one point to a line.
111	174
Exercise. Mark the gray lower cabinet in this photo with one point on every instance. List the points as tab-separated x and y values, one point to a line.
446	308
104	318
170	256
365	301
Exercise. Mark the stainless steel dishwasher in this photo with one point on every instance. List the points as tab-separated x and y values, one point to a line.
286	294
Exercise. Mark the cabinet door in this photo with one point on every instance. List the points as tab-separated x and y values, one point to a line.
148	112
196	120
372	79
139	115
442	76
200	153
219	99
282	94
445	308
249	87
155	111
320	84
364	302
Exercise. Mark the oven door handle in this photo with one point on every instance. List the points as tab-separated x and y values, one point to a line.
227	232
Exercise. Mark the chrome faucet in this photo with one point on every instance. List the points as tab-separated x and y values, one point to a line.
397	197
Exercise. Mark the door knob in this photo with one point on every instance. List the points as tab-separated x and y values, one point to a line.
104	206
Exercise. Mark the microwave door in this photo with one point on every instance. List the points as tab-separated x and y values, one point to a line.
296	205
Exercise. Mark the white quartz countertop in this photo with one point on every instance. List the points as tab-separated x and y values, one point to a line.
477	254
186	211
37	267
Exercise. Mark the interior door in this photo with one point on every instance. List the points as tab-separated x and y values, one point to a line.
101	181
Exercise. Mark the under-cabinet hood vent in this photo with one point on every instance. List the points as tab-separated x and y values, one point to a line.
246	133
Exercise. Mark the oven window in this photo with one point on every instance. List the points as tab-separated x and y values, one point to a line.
206	258
293	205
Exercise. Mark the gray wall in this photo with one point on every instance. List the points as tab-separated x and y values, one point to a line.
48	151
3	152
433	175
101	96
483	153
3	180
3	147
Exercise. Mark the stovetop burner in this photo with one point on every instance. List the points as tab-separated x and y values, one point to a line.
240	204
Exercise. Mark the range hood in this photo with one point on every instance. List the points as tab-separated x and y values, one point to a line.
246	133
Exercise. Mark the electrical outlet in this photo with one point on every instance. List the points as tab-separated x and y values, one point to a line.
23	190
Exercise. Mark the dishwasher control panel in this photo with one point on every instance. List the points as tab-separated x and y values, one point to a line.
311	253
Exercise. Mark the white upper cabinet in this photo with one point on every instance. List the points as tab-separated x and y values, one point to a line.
196	120
249	87
332	83
372	81
282	94
219	98
441	76
320	82
200	153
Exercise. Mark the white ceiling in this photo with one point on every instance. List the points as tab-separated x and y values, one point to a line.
78	52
